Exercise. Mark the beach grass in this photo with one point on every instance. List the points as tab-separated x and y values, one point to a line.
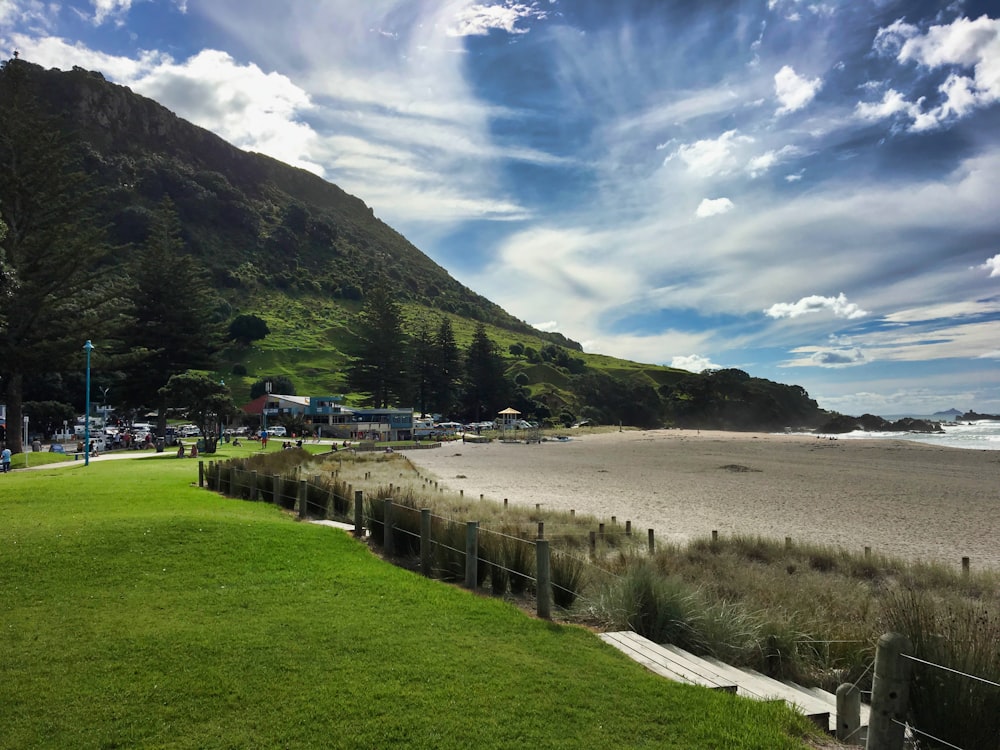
141	611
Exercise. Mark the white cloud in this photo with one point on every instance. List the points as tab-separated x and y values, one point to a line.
549	325
713	207
693	363
892	103
838	305
105	9
793	91
961	45
709	157
479	20
992	265
29	12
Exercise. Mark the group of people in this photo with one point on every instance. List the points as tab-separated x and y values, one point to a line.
181	450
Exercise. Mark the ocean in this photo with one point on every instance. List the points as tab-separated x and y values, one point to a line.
981	435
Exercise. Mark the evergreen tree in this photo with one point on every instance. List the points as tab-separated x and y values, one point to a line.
378	368
447	371
206	402
421	370
173	325
486	388
54	288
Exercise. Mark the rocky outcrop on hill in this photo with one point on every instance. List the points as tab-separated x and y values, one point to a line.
872	423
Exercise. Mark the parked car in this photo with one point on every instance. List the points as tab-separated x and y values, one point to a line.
277	430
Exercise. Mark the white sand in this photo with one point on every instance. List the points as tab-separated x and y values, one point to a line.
898	497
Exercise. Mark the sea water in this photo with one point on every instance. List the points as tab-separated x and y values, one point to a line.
983	434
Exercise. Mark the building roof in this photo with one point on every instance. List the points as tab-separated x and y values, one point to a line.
510	411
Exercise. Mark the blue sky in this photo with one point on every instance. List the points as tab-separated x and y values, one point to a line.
809	191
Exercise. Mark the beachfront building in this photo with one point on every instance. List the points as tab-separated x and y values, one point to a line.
327	417
383	424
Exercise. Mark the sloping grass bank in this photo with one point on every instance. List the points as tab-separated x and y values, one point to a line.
139	611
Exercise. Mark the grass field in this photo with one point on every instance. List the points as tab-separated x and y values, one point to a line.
137	610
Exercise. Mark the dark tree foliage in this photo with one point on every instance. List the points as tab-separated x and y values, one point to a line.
279	384
421	368
626	400
54	288
378	366
446	374
172	325
206	402
486	390
48	416
247	328
730	399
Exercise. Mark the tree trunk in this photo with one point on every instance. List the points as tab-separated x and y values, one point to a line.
15	421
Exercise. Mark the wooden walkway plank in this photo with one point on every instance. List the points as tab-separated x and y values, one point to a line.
677	664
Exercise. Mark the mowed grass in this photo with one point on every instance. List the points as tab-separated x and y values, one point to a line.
137	610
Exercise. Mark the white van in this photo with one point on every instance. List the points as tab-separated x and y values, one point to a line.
277	430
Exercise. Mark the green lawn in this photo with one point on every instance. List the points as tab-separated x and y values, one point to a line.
137	610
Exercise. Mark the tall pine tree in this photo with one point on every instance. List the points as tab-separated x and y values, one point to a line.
54	286
421	368
447	371
486	388
379	365
173	325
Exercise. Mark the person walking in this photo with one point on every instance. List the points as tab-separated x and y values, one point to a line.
5	460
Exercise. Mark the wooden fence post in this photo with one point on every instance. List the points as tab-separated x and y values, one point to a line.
890	693
544	579
471	554
849	714
541	530
276	489
387	527
303	498
425	541
358	514
201	473
652	543
253	486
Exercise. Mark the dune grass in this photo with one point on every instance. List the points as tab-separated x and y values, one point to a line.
137	610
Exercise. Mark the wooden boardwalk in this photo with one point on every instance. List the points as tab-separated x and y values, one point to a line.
679	665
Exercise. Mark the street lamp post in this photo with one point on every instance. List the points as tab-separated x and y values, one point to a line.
267	389
86	416
104	409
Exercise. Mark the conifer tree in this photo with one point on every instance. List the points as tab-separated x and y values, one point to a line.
379	365
447	370
54	286
486	388
173	325
421	368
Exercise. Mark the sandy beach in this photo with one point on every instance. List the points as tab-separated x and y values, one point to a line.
898	497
